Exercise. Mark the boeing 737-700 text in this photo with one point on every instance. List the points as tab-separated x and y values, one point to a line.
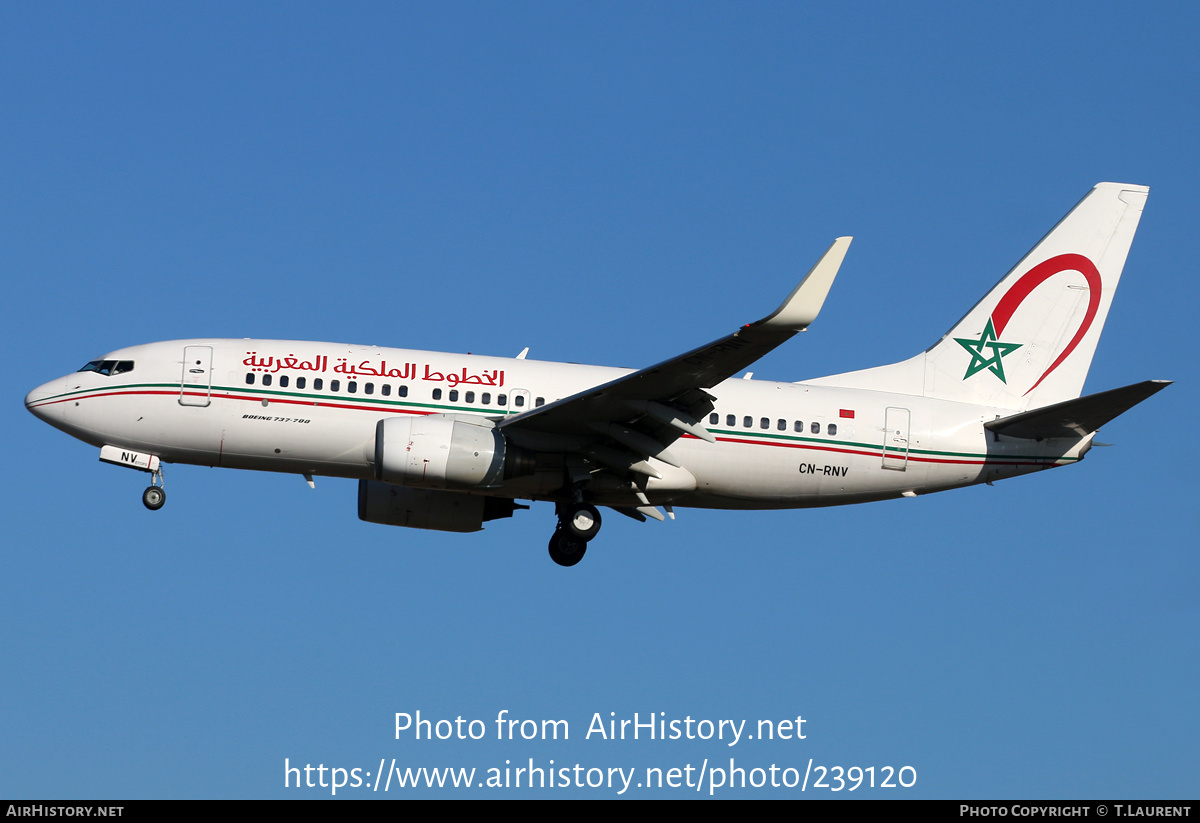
450	441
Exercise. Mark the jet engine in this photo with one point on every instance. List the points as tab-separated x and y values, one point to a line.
442	451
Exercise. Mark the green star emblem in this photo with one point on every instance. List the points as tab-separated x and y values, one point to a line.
980	361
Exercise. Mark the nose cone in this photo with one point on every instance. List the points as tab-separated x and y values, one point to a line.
44	401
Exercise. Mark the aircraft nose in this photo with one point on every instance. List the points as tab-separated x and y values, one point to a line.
40	401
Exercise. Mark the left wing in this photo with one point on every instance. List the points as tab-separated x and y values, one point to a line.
625	421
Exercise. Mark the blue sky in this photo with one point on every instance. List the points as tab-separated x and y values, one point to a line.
614	184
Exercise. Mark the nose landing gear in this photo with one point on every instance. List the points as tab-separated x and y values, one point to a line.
577	524
155	495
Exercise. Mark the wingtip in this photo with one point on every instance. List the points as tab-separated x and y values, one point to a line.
1122	186
804	303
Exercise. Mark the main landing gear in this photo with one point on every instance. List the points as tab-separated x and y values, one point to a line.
155	495
577	524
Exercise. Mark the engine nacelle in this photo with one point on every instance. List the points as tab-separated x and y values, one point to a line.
390	505
445	452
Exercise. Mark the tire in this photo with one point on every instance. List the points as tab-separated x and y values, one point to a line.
565	549
582	521
153	498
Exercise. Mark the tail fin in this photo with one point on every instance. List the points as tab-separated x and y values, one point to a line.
1029	342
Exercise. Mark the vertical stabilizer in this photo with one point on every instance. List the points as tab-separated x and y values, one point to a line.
1029	342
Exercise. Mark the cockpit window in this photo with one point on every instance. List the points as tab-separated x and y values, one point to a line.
109	367
100	366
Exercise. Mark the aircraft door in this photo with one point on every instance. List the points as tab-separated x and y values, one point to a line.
196	384
895	439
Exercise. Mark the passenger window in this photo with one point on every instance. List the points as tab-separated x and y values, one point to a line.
437	394
249	378
815	428
334	385
832	429
541	401
714	419
318	384
782	425
487	398
518	400
266	379
748	422
502	400
369	388
730	420
402	391
283	381
470	397
764	423
799	426
454	395
301	382
351	387
385	389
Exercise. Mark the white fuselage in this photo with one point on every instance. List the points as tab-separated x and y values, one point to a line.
312	408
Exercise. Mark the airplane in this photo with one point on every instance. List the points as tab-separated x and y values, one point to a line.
450	441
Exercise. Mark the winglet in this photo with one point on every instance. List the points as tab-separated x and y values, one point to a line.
804	303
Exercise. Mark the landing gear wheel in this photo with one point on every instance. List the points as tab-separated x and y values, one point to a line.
153	498
581	520
565	549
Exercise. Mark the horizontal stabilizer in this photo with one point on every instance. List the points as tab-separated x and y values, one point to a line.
1076	418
